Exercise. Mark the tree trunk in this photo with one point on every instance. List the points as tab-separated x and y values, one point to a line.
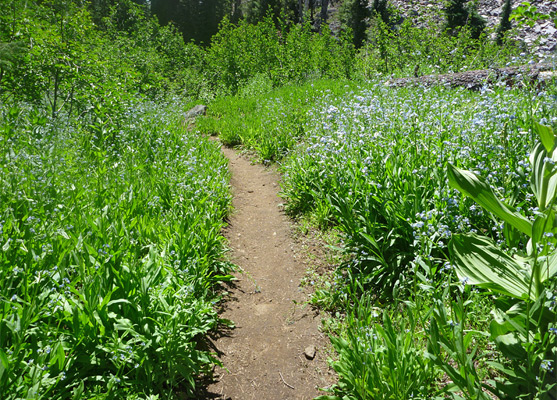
56	89
536	74
323	14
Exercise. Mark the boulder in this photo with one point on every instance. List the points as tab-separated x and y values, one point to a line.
196	111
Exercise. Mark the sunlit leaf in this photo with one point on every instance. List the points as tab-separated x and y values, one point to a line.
544	175
479	262
546	135
478	189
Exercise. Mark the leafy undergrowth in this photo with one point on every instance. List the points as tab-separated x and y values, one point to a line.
269	121
111	247
371	161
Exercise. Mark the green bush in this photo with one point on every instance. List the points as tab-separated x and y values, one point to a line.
410	49
291	54
458	14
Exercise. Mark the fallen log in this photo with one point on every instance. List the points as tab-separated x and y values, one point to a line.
531	74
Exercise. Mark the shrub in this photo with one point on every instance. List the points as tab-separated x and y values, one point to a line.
459	15
505	22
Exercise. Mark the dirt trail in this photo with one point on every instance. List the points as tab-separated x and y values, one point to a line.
264	353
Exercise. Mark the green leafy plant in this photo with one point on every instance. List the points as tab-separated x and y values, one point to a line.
452	345
378	358
523	319
108	273
527	14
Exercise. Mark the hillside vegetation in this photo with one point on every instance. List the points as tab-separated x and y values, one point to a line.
111	205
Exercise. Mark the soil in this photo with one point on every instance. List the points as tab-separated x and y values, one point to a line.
264	355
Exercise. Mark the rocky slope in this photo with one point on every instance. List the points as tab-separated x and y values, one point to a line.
544	31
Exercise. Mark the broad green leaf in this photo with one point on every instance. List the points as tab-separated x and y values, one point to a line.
547	136
60	357
476	188
511	346
4	363
538	228
543	224
78	391
544	175
480	262
499	325
548	266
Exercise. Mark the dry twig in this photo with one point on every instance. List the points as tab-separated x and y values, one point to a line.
283	381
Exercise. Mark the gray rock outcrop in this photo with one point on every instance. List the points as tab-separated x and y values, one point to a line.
196	111
541	38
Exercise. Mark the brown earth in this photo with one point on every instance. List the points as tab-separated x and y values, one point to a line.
264	355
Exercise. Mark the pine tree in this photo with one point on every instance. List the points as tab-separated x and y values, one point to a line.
197	20
165	10
257	10
355	14
459	15
476	22
456	14
380	8
323	14
505	23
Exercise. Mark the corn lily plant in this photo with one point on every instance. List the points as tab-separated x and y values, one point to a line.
523	326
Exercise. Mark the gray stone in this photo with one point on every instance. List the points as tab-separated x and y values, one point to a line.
309	352
196	111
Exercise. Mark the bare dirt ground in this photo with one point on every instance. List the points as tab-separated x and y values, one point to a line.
264	355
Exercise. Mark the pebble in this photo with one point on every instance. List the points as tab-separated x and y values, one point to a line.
309	352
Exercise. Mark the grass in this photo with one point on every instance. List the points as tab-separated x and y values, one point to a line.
371	162
110	219
111	248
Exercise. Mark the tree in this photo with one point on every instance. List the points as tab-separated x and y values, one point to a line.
257	10
10	54
236	12
476	22
165	10
197	20
323	14
456	14
459	15
505	22
12	48
355	14
380	8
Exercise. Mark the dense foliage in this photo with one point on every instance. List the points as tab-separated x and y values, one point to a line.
111	205
110	245
372	162
110	210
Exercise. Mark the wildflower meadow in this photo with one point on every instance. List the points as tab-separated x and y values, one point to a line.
436	204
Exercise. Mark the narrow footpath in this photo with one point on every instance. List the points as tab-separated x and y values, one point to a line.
268	355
